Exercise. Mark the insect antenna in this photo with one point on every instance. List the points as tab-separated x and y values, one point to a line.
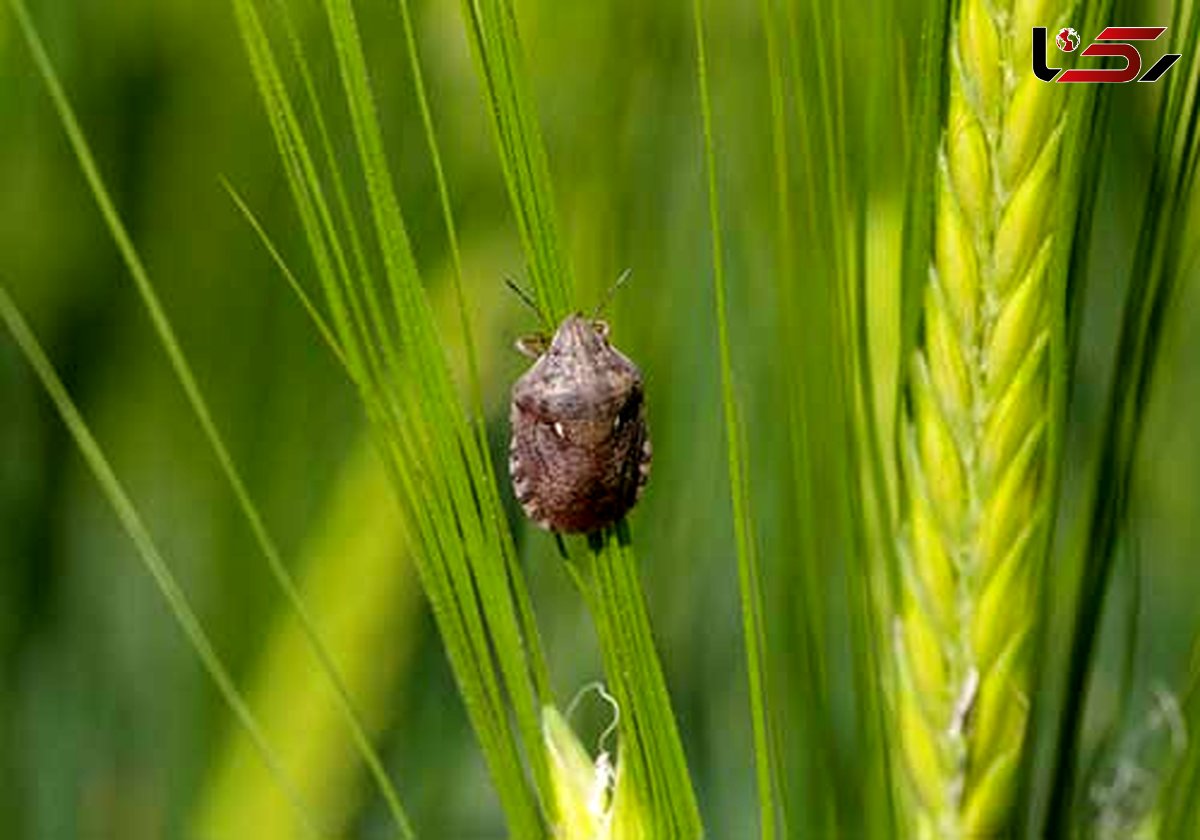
612	291
525	297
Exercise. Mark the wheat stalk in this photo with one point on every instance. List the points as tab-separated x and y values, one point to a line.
975	431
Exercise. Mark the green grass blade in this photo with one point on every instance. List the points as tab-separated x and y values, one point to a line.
496	46
1083	156
1156	275
155	565
357	318
767	771
310	308
487	473
439	172
320	223
649	734
199	405
419	342
1177	807
651	752
839	466
808	735
435	457
357	575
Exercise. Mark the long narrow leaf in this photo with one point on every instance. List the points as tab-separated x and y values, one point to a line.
199	405
767	770
436	458
650	738
151	558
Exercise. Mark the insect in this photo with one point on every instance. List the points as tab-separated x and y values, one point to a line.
580	452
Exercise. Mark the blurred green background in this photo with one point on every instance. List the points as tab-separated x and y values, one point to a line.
108	727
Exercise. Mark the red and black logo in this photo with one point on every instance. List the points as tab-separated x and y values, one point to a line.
1119	45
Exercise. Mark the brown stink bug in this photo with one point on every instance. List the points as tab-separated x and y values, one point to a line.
580	452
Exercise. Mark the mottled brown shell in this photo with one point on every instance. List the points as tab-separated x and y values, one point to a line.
580	452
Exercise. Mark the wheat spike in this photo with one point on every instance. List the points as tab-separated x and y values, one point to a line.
974	431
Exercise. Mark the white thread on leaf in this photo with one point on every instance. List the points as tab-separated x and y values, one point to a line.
603	787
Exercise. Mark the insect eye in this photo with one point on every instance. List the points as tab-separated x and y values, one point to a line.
533	346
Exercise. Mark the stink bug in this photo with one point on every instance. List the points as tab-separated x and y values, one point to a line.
580	451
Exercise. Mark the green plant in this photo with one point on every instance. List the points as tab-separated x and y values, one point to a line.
863	422
976	442
651	757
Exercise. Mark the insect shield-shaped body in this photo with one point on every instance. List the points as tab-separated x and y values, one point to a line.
580	452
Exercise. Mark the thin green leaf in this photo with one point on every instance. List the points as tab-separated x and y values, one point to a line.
496	46
650	740
766	762
651	750
1154	280
487	474
151	558
355	571
838	465
293	283
199	405
436	458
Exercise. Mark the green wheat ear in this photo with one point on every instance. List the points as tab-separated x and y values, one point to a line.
974	440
